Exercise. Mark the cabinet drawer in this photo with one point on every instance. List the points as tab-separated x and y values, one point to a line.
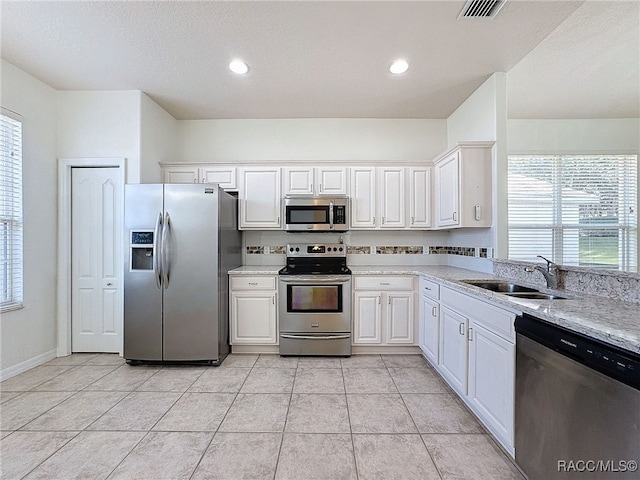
495	319
266	282
378	282
429	289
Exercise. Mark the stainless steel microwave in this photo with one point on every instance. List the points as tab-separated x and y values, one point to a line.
316	214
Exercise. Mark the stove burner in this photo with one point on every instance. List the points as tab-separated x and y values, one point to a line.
316	259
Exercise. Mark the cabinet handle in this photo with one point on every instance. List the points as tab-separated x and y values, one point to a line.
411	220
195	180
388	300
461	329
203	180
455	216
382	220
379	300
384	283
278	219
427	288
374	221
320	188
253	283
273	300
434	312
470	334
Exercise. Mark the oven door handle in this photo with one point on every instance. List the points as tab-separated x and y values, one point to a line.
317	279
315	337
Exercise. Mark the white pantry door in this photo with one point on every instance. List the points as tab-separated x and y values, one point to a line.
96	228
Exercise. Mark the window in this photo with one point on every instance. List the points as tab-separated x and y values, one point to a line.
10	211
574	209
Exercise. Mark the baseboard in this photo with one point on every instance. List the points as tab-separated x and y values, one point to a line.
355	350
27	364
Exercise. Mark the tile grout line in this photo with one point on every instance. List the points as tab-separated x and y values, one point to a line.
346	401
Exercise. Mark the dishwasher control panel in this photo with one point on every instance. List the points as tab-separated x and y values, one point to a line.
607	359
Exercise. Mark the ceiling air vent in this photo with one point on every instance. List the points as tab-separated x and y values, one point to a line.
481	8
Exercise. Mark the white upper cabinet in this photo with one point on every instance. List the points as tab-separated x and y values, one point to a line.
315	181
260	198
463	186
363	197
226	176
420	197
392	193
180	174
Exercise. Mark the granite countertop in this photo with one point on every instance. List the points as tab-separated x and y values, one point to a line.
612	321
256	270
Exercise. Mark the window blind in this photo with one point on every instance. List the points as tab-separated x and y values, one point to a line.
10	211
575	209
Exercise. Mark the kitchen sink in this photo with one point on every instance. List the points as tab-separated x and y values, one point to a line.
536	296
502	287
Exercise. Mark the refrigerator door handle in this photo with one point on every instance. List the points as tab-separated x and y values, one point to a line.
166	250
157	252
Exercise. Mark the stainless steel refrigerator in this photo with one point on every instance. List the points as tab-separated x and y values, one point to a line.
182	239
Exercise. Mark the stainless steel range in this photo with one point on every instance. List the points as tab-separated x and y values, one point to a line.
315	301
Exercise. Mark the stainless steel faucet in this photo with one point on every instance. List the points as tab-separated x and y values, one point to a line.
550	272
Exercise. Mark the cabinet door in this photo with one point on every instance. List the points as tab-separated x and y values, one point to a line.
367	317
454	349
491	380
260	198
363	197
331	181
419	198
448	191
180	174
298	181
399	318
392	198
224	176
253	318
429	328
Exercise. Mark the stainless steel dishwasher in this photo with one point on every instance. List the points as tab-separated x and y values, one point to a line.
577	405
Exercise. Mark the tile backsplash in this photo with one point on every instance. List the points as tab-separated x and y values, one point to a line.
605	283
382	250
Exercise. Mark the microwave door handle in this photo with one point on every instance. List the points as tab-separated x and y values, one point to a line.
331	215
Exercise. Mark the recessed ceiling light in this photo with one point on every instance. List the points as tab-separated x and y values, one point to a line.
239	67
399	66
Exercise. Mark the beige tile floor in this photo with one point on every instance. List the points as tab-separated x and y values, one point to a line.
260	417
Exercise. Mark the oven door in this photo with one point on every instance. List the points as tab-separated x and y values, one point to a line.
315	303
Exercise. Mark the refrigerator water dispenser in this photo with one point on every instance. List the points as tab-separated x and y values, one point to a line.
141	250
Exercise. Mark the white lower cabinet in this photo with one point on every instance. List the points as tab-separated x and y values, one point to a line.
383	310
454	352
475	354
491	379
253	311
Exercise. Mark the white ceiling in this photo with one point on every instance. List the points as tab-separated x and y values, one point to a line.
329	59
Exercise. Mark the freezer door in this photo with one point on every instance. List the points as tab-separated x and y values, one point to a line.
142	293
190	274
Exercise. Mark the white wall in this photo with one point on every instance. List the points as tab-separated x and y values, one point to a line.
29	335
483	117
158	140
310	140
615	135
101	124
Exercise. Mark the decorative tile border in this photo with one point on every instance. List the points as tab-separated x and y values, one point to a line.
399	250
358	249
383	250
464	251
